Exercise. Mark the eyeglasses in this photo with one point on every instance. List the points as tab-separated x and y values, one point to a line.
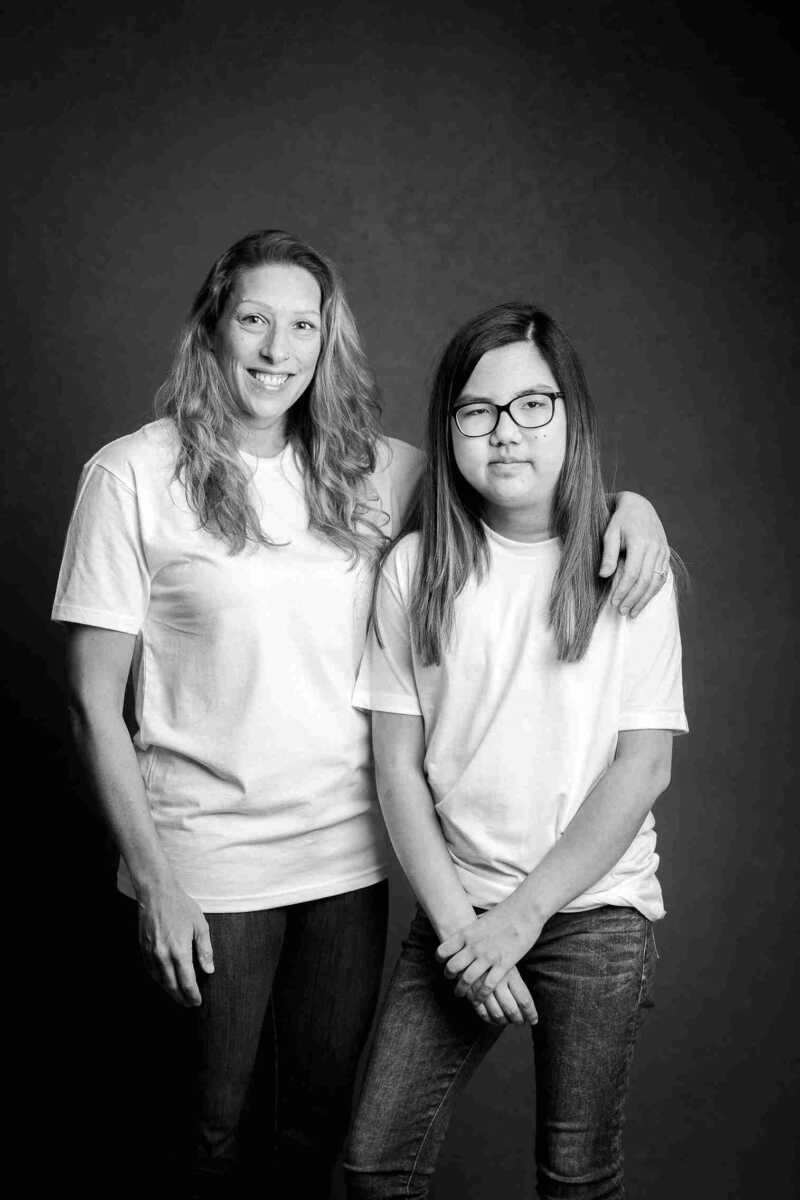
477	418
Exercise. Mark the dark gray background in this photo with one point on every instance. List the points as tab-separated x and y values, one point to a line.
630	166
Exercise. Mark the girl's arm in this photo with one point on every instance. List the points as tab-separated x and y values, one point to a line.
171	924
399	747
593	842
635	529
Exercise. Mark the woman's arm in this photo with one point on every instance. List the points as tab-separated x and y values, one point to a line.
171	924
636	530
399	747
593	842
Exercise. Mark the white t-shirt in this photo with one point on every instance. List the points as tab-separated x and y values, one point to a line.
514	738
256	766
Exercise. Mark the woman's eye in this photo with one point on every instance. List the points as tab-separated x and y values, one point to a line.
305	326
250	318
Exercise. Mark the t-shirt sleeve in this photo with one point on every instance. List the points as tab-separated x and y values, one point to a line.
386	679
403	474
104	580
652	686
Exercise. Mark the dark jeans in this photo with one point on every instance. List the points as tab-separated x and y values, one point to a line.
590	975
277	1041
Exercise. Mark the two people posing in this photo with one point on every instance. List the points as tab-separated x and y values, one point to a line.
225	555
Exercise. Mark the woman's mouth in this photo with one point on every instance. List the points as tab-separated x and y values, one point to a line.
270	381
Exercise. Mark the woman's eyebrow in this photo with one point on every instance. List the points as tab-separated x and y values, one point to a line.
297	311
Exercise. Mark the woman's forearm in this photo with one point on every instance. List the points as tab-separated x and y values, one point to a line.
105	747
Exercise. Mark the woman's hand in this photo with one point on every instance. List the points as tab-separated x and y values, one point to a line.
509	1004
635	531
481	954
172	932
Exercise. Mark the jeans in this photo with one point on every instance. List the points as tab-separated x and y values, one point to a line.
590	975
293	992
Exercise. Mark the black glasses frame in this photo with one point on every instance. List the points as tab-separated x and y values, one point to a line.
501	408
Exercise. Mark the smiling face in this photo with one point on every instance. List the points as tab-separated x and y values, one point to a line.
514	470
268	342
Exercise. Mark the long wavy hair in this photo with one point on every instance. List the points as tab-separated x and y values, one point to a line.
333	426
447	511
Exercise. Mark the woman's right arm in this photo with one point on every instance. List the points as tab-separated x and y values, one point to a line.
399	747
171	925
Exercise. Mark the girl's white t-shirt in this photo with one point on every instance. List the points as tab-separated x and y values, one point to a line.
256	766
515	739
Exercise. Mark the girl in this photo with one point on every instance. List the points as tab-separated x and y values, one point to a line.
225	553
522	730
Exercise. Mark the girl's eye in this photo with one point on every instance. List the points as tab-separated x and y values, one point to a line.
533	403
473	410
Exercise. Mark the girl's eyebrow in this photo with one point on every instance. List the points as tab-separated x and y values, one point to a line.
466	398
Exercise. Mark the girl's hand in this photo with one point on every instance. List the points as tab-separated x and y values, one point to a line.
509	1004
634	528
482	953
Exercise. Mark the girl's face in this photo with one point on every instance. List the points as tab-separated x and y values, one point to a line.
268	341
515	470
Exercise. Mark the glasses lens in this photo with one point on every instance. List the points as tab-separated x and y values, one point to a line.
476	419
533	410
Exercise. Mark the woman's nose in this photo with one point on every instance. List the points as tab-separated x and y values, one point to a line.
275	346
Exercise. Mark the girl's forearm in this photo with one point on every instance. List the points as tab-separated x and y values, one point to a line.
596	837
420	847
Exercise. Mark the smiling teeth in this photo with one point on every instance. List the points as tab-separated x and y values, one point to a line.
269	379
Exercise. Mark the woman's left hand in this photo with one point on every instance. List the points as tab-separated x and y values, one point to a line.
481	954
636	531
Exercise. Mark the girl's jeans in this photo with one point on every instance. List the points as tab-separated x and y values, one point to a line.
590	974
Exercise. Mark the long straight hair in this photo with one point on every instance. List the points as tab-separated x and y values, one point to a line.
447	511
333	426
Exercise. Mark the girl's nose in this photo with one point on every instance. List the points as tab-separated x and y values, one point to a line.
506	431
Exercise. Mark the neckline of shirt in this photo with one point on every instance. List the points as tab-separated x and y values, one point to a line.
274	462
522	549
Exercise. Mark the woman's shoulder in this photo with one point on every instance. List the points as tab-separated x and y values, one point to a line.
397	472
400	563
148	451
399	460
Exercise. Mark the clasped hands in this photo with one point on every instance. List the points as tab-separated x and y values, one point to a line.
482	957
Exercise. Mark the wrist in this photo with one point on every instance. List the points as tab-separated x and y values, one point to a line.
446	924
531	907
152	882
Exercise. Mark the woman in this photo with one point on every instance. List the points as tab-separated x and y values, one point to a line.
522	731
225	553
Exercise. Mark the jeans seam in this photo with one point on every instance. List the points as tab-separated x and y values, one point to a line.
432	1121
646	938
633	1030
